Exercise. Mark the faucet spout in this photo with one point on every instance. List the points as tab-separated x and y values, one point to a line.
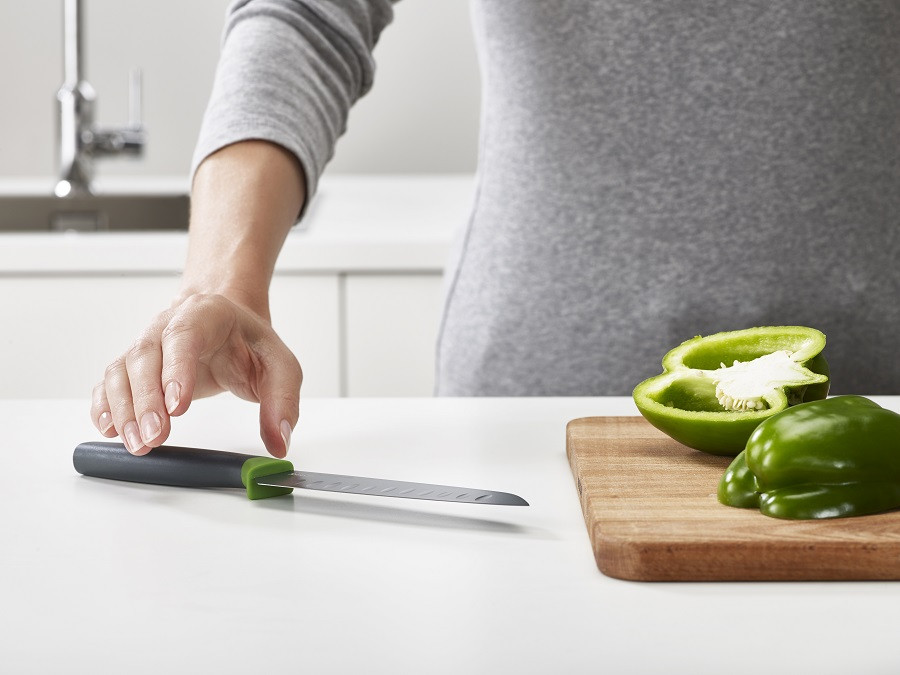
76	111
79	139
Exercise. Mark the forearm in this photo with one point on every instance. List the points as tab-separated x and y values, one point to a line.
244	200
288	74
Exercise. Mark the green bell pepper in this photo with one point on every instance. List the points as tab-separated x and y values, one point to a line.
705	404
823	459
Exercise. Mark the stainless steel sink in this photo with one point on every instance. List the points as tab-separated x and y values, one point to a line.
94	213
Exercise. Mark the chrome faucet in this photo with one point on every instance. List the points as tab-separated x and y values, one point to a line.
80	140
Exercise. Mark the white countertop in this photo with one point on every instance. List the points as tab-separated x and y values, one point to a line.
102	577
354	223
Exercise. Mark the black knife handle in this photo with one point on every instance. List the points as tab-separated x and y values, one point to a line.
165	465
181	467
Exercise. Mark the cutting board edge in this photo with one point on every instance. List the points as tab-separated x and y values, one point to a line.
635	559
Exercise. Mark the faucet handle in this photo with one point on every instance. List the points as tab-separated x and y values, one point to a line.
126	139
135	88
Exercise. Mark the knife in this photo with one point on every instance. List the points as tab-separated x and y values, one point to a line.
261	476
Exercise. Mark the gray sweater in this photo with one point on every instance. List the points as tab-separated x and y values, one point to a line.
648	171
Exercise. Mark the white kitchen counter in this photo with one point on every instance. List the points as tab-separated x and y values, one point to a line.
367	223
107	577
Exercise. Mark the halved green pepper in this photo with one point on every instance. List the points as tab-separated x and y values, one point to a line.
715	390
824	459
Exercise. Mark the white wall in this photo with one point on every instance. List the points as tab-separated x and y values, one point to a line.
422	115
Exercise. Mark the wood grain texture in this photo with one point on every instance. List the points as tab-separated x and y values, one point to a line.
651	511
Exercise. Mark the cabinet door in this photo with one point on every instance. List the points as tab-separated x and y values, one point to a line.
59	333
391	324
306	314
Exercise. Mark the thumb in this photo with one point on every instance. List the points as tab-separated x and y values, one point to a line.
279	401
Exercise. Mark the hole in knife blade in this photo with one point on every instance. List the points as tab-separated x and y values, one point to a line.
426	493
350	487
388	489
406	491
481	497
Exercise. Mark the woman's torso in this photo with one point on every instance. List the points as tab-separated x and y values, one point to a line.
653	171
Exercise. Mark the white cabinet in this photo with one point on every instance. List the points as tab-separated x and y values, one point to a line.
60	331
354	334
306	314
391	324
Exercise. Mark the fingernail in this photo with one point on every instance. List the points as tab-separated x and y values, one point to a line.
150	427
132	437
286	434
105	421
173	396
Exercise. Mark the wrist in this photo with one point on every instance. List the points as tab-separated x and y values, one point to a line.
251	298
244	199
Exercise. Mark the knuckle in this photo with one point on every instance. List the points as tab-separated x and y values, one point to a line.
199	309
114	368
189	303
141	346
180	340
160	320
290	399
189	308
176	327
145	392
198	298
273	353
122	410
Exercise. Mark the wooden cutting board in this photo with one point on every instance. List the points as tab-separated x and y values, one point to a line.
651	511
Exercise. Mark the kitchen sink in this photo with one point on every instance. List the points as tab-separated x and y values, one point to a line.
94	213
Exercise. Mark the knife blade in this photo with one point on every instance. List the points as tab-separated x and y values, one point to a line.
262	477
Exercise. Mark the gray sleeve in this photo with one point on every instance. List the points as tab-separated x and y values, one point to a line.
288	73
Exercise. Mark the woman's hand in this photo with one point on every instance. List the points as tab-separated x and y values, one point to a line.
217	336
203	345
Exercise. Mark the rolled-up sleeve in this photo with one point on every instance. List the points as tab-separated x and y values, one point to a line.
288	73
